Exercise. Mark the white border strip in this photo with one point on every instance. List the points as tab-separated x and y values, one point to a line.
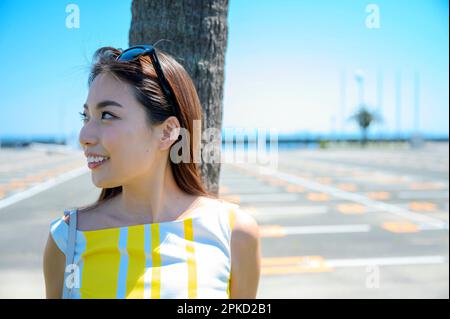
10	200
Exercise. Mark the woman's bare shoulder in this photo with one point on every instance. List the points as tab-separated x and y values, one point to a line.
89	216
246	255
222	202
245	222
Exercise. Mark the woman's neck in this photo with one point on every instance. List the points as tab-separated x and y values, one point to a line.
156	197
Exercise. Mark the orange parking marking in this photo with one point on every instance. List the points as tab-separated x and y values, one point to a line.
426	186
33	178
293	264
378	195
400	227
283	270
347	187
422	206
351	208
318	197
277	182
16	184
23	183
295	189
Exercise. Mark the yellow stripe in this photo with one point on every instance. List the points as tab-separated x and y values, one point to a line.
231	217
228	286
156	263
192	267
136	262
101	264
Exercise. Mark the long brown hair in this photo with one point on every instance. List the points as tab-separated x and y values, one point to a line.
142	77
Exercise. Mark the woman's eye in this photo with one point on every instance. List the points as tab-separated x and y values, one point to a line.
84	116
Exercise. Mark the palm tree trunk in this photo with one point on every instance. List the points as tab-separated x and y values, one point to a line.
198	33
364	137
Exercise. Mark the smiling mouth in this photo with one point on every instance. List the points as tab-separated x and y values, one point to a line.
93	165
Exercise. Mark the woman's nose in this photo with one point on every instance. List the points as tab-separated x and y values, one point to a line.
88	135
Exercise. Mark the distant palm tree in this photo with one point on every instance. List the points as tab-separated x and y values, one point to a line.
197	32
364	118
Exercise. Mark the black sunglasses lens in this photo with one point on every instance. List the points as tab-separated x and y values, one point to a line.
130	55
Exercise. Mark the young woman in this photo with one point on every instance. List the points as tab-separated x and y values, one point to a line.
154	232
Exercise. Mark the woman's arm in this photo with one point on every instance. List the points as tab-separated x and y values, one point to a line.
54	265
245	257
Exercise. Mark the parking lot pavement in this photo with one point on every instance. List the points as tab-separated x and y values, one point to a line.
349	223
333	223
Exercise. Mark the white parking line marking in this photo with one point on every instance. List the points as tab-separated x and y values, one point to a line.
307	264
271	231
389	208
280	211
386	261
326	229
10	200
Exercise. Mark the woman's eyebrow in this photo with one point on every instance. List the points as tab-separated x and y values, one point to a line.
104	104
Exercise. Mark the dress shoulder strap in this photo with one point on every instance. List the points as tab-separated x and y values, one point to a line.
67	287
232	216
229	210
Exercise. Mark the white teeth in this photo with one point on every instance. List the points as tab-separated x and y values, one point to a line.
95	159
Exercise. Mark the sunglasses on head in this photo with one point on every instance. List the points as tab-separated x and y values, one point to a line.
137	51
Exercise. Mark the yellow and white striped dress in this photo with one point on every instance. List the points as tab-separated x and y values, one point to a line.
187	258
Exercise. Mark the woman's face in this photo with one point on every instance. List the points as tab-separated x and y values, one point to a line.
119	130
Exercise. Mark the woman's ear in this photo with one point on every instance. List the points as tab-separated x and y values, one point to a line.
170	132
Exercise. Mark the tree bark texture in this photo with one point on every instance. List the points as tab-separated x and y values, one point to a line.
197	31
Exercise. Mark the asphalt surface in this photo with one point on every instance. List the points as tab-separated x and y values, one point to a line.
335	223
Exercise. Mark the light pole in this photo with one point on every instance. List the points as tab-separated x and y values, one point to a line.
343	101
380	99
416	137
359	77
398	102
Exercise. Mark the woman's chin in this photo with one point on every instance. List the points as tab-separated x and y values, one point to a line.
101	183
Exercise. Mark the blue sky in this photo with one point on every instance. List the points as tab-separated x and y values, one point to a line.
287	63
